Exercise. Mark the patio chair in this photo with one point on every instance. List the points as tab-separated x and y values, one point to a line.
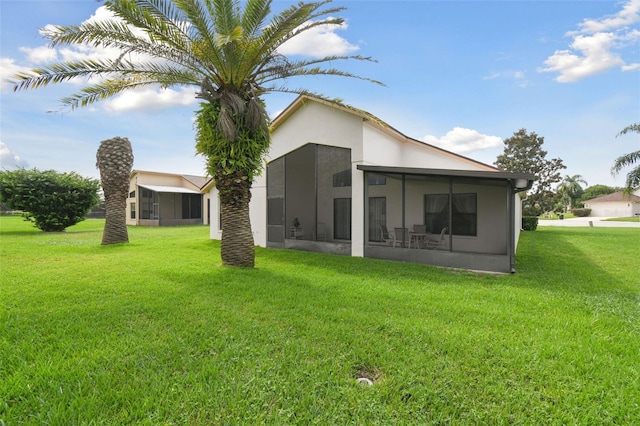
321	232
402	237
420	229
437	240
387	237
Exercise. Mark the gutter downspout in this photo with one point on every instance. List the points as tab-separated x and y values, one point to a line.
511	231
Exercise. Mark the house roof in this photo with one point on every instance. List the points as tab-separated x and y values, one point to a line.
477	174
191	178
206	187
198	181
371	120
174	189
615	197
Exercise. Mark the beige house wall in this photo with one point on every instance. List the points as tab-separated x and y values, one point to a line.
168	203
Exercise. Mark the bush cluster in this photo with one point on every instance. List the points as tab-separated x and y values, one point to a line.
529	223
52	201
581	212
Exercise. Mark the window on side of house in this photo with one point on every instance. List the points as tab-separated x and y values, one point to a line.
191	206
133	210
132	194
374	179
342	179
464	214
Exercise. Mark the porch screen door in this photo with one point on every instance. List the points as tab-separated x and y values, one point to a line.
377	217
342	218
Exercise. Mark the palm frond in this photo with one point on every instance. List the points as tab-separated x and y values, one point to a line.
113	33
279	74
633	180
224	15
105	89
631	128
624	161
253	18
66	71
58	73
160	21
200	17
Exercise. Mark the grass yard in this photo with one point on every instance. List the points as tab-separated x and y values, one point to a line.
624	219
157	332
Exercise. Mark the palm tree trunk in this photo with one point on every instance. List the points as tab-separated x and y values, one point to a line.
115	160
115	226
237	248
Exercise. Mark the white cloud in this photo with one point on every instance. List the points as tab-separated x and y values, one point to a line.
596	56
318	42
40	55
9	160
151	99
492	76
8	68
462	140
629	15
596	45
519	77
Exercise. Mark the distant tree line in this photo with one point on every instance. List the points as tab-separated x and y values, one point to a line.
551	192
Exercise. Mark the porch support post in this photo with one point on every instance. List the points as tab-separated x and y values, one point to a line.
450	214
404	207
511	215
357	211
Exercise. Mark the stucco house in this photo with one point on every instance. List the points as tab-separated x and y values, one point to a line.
165	199
339	180
617	204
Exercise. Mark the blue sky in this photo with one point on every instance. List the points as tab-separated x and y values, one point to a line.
463	75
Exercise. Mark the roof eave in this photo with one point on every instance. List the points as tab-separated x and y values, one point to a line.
521	181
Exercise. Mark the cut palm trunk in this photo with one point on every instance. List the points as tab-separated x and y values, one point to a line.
115	160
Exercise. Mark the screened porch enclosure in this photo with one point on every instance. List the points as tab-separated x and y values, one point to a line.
446	220
309	200
169	206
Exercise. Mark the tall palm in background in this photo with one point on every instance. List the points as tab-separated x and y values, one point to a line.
226	48
114	159
571	190
633	177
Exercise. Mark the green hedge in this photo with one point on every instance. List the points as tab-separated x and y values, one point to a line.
529	223
581	212
51	200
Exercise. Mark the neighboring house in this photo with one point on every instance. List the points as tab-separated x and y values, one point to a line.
343	176
165	199
617	204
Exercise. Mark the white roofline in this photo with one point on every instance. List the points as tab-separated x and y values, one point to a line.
163	188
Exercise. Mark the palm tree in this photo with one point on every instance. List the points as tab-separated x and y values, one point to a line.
115	160
228	51
633	177
571	190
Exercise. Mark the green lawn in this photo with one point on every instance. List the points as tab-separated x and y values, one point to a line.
157	332
624	219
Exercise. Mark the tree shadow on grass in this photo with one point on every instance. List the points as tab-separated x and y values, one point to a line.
561	259
555	260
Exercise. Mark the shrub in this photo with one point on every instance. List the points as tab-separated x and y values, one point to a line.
52	200
581	212
530	223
